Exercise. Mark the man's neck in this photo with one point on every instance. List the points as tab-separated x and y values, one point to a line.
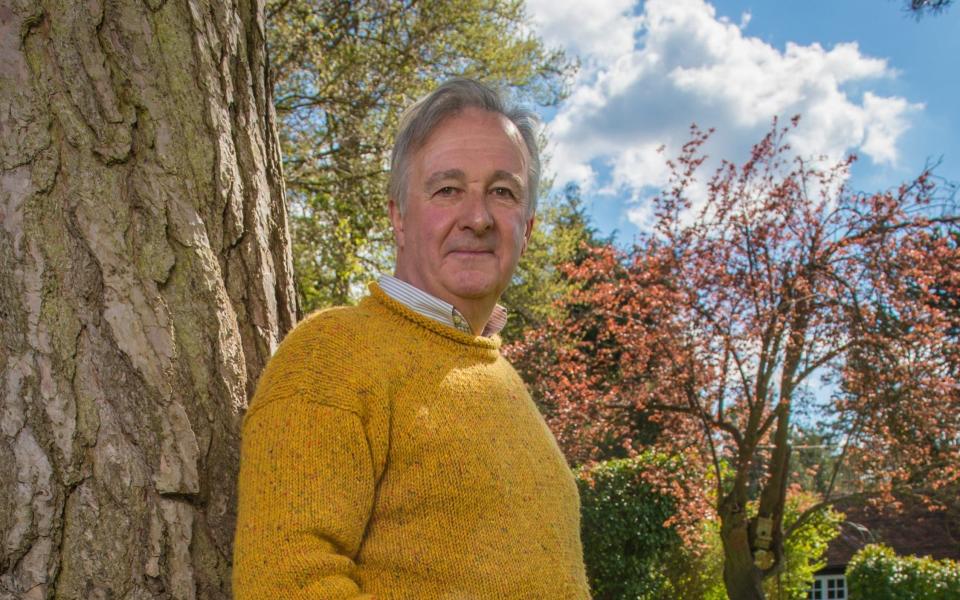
476	316
480	318
477	313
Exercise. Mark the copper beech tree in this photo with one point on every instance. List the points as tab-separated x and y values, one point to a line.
705	336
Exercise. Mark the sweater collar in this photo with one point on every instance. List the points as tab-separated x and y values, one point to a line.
434	308
487	344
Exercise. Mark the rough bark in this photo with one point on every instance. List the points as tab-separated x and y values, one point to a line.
742	579
145	278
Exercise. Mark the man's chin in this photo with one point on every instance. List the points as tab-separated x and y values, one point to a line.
479	288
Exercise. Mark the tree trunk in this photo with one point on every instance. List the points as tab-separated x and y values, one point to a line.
741	578
145	278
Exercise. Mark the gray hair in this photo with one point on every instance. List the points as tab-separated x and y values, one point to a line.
452	97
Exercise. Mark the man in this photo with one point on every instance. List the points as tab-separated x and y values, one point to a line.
390	450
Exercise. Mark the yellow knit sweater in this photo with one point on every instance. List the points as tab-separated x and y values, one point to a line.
388	456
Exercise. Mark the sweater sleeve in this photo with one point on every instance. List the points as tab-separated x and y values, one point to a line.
306	491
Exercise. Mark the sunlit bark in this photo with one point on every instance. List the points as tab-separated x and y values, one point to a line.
144	280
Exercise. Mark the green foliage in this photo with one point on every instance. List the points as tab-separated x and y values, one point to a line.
700	575
876	573
631	546
803	551
342	74
561	236
622	523
697	572
631	553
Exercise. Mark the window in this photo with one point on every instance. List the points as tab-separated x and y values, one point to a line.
828	587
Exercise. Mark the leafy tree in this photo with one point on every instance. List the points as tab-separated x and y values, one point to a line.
580	371
563	235
710	326
803	552
920	8
633	549
343	72
699	573
946	291
816	464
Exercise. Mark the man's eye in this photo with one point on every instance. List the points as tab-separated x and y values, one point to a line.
504	192
447	190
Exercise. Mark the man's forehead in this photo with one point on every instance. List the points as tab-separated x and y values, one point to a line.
492	123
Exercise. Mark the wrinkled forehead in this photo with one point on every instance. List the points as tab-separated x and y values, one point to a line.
495	123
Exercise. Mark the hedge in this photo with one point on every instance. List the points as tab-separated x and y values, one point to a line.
624	541
877	573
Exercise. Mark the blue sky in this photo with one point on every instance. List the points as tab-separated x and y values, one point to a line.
866	77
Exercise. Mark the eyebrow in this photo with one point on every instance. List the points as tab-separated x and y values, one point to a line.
457	174
439	176
511	177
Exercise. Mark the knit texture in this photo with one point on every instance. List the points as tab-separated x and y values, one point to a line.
387	456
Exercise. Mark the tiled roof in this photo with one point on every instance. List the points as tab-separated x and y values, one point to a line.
913	530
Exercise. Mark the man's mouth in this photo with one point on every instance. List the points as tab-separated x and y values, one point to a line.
472	251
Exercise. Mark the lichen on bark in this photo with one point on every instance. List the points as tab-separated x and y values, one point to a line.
145	278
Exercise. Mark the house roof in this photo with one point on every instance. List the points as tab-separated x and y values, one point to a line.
913	530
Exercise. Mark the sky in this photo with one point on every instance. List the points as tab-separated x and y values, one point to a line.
864	76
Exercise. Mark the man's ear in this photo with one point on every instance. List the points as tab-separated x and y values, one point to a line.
529	232
396	219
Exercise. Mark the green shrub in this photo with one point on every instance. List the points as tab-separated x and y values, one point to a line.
876	573
803	551
630	555
624	541
697	574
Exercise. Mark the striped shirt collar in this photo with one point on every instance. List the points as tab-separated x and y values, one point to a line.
434	308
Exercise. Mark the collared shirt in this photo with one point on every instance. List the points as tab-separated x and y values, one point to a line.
434	308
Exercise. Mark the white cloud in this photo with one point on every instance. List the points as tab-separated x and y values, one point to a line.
598	32
885	125
647	77
641	215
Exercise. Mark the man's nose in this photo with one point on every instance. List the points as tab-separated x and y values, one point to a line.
475	213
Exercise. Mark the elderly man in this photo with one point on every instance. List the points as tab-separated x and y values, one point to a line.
390	450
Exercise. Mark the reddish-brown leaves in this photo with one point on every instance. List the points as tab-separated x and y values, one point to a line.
701	335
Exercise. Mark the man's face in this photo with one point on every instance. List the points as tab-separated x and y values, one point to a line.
467	219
